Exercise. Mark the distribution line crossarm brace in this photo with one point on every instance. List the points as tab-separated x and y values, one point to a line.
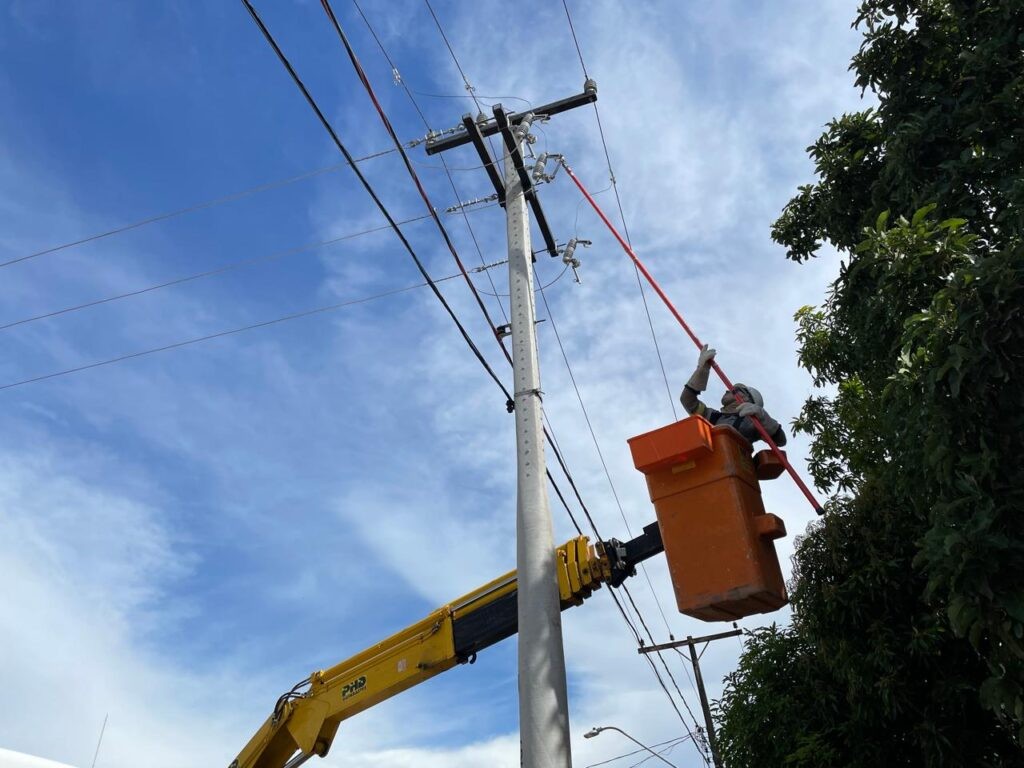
305	720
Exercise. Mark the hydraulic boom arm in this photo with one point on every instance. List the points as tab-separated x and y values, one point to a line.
306	718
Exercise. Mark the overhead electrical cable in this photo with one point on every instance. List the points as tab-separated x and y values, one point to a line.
208	273
593	435
548	434
408	165
693	337
561	461
369	88
369	189
444	163
196	207
622	216
637	751
229	332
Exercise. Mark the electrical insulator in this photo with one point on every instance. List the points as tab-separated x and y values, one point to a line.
568	255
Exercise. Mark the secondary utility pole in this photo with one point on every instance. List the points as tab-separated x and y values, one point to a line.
695	659
543	699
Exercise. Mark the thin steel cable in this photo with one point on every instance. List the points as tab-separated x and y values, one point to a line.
350	51
661	658
208	273
369	189
597	446
469	87
622	217
196	207
636	752
636	609
444	164
547	433
230	332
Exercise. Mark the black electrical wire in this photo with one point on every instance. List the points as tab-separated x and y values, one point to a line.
586	416
405	159
444	164
195	207
230	332
369	189
351	53
208	273
638	751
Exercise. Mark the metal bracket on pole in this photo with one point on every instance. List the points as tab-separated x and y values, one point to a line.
477	139
512	142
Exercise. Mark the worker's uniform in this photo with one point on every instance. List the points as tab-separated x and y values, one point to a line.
742	424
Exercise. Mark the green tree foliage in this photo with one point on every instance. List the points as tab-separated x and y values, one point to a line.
907	643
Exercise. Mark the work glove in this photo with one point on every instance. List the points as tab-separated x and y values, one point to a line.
753	410
699	380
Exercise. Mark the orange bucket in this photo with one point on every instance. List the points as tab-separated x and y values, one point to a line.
718	538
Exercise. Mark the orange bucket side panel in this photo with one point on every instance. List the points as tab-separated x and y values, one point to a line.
717	536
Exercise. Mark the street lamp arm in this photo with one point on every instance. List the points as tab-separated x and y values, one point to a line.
594	731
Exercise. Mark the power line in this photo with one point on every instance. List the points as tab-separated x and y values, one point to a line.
208	273
597	446
405	159
593	436
622	216
365	80
444	163
230	332
369	189
637	751
195	207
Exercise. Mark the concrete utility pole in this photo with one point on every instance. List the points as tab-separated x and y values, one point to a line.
543	698
691	642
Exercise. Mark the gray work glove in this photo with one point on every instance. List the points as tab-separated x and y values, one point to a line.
756	411
699	380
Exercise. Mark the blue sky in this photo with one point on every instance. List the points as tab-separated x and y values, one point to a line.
185	535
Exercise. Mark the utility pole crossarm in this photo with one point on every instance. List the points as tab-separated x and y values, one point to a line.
688	641
490	128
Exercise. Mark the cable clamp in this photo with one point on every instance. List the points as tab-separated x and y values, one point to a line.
510	405
396	75
539	393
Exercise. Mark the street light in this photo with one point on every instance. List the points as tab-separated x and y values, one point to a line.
594	731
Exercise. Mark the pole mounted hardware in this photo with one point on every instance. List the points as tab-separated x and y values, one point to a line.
489	128
568	257
543	693
695	660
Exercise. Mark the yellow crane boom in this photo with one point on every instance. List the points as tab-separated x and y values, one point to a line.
306	718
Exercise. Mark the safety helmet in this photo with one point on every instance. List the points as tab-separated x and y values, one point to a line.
749	394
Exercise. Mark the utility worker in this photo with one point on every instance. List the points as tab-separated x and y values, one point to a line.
733	414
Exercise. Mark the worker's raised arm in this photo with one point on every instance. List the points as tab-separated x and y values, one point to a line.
698	383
